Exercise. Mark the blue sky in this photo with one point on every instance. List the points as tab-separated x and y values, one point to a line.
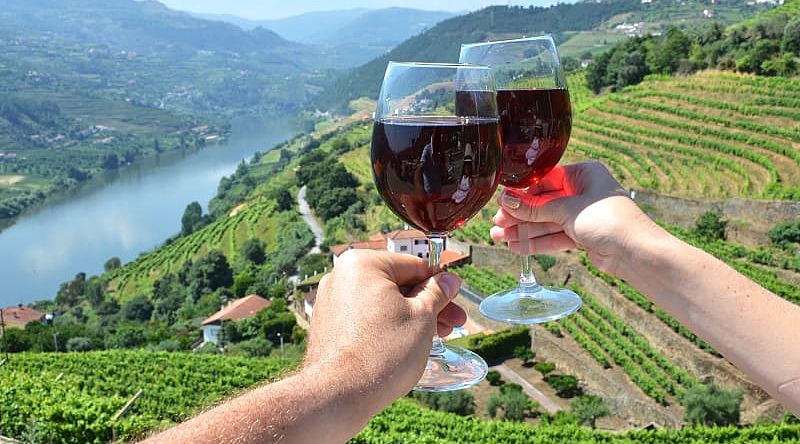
272	9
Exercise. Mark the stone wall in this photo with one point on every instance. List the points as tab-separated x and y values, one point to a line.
750	219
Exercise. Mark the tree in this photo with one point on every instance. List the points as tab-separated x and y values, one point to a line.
192	218
524	354
112	264
709	404
493	377
253	251
138	309
110	162
791	37
242	283
210	272
589	408
710	225
515	403
544	368
284	199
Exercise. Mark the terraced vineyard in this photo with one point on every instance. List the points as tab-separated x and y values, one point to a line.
708	135
606	337
254	219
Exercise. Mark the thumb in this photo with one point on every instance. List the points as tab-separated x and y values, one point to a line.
544	207
437	291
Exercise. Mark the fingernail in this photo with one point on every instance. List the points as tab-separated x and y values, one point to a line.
509	200
449	283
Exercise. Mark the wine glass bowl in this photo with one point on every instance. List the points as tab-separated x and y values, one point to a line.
436	156
536	120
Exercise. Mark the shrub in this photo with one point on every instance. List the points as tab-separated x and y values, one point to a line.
710	225
545	261
169	345
496	346
79	344
209	348
544	367
524	354
255	347
711	405
460	402
566	386
493	377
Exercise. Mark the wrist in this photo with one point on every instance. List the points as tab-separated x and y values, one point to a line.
642	250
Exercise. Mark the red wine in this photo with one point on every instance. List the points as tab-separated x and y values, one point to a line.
536	124
436	172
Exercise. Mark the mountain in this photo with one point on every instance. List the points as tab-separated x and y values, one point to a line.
441	43
141	51
350	37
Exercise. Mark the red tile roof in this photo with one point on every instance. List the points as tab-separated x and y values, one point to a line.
19	316
367	245
450	257
243	308
405	234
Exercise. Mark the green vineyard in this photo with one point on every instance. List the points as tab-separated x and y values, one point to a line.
407	422
707	135
73	397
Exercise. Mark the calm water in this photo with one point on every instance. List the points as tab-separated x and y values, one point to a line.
119	216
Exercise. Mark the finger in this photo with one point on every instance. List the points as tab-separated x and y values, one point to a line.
552	243
498	234
404	269
504	219
545	207
443	330
531	229
436	292
452	316
555	180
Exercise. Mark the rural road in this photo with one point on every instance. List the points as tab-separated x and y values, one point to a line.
312	222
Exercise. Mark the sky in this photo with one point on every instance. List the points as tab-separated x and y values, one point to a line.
275	9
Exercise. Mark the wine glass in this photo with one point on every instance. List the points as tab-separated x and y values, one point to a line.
536	119
436	158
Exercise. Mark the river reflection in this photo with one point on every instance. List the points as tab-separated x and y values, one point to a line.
119	216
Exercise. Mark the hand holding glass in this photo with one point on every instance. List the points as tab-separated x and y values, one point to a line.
436	160
536	119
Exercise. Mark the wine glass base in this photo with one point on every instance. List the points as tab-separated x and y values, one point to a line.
533	305
455	368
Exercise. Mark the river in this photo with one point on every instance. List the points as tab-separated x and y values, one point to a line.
121	215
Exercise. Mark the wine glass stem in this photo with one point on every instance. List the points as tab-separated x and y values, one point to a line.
526	278
435	248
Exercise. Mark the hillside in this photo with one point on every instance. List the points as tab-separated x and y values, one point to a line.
145	53
442	42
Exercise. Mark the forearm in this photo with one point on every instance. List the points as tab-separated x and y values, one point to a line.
754	329
307	407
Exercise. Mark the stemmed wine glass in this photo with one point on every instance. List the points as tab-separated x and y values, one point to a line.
436	158
536	119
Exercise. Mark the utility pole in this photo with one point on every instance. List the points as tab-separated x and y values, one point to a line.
55	341
280	336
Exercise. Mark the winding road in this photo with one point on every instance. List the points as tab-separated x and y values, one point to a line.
311	221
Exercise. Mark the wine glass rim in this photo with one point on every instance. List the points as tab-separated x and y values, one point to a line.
440	65
521	39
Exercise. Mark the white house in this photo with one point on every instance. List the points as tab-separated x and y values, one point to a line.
246	307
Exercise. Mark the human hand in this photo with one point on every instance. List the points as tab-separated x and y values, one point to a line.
374	318
579	205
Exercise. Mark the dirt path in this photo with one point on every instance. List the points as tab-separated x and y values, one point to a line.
512	376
